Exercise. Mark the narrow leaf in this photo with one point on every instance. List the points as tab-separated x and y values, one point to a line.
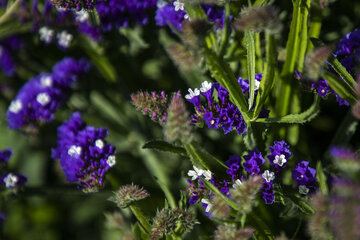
321	178
164	147
250	47
340	87
341	70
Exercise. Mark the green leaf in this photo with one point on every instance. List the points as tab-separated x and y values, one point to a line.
301	204
303	117
321	178
250	47
201	158
222	72
340	87
164	147
341	70
139	232
269	75
100	61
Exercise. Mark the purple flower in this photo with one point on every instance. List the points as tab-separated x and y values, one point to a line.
253	161
193	200
120	13
13	180
210	120
84	155
233	159
279	154
232	170
322	88
214	14
304	177
5	155
268	192
42	95
167	14
342	153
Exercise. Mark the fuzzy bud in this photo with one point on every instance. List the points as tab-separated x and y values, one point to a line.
315	61
230	232
168	220
318	222
194	32
264	18
152	104
346	160
128	194
177	126
219	208
182	57
245	194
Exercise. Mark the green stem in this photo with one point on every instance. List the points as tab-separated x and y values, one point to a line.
250	47
9	11
141	218
259	61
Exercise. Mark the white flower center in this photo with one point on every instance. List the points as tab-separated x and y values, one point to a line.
192	93
303	190
15	106
11	180
64	39
212	122
46	81
82	16
280	160
74	150
46	34
268	176
209	205
205	86
99	143
237	183
43	98
111	161
257	85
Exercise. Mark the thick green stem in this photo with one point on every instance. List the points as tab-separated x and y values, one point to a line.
9	11
141	218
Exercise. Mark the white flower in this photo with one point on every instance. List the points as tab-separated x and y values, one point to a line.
161	3
74	150
82	16
178	5
99	143
187	17
268	176
237	183
111	161
11	180
205	86
303	190
43	98
46	34
46	81
257	85
207	175
64	39
280	160
15	106
192	93
195	173
209	205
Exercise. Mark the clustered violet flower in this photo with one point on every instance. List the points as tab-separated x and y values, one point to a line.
84	155
279	154
305	177
9	179
42	95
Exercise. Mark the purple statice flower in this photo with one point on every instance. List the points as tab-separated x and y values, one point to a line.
84	155
244	83
42	95
5	155
304	177
120	13
267	188
322	88
167	14
233	163
218	111
215	15
279	154
342	153
7	46
13	180
340	100
253	161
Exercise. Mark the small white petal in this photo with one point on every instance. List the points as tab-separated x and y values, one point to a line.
46	34
209	205
11	180
99	143
257	84
43	98
237	183
205	86
192	93
111	161
82	16
303	190
46	81
64	39
207	175
74	150
268	176
178	5
280	160
15	106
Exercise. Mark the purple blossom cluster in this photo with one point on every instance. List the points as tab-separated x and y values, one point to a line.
84	154
120	13
305	178
9	179
175	14
37	101
219	111
7	46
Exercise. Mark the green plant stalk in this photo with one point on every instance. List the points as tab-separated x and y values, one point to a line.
250	47
225	32
315	26
141	218
259	60
304	35
9	11
269	75
341	70
341	88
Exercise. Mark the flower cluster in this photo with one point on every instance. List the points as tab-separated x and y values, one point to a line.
8	45
77	4
42	95
305	178
120	13
175	14
128	194
84	155
9	179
